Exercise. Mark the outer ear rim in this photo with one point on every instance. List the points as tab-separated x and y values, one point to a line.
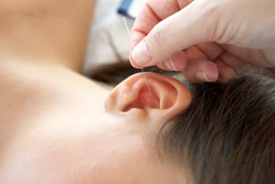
130	89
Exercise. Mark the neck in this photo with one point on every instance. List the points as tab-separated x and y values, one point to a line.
30	95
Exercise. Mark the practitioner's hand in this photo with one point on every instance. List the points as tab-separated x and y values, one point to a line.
207	40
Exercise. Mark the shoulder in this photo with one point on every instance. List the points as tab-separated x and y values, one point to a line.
55	31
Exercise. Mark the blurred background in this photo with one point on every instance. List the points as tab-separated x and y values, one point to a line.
108	42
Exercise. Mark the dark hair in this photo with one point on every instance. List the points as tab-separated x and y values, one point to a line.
227	134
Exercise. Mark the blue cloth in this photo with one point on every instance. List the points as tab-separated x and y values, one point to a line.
124	7
129	8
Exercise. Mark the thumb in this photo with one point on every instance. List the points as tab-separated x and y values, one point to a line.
192	25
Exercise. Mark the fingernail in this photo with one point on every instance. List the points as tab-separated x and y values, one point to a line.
202	76
173	65
141	54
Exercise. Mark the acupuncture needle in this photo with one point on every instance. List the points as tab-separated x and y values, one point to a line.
131	39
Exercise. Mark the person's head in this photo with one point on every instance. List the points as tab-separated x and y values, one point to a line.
214	134
226	134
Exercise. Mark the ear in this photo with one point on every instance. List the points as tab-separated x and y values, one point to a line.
132	97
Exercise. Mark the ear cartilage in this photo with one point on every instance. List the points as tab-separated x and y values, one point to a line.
126	25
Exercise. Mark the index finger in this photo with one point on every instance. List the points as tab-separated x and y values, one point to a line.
151	13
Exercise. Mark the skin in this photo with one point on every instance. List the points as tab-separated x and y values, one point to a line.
58	126
207	40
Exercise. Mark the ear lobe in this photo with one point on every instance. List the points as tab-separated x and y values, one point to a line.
168	95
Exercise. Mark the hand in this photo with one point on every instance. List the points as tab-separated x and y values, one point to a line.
208	40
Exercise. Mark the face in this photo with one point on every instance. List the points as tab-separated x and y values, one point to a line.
113	146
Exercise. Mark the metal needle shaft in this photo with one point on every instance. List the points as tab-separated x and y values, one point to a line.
126	25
